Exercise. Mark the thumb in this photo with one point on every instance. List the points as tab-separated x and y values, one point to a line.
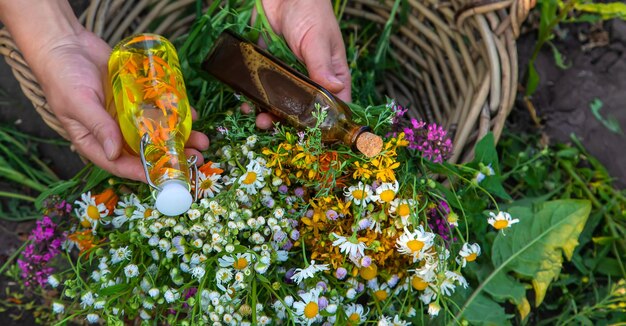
317	56
100	124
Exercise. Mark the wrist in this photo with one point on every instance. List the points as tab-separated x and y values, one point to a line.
39	26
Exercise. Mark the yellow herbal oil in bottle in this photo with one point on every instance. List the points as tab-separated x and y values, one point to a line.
154	115
284	92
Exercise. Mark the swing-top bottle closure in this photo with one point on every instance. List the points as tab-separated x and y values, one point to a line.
286	93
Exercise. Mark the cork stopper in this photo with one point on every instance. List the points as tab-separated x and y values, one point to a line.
369	144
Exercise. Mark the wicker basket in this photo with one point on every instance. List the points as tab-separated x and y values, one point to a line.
460	56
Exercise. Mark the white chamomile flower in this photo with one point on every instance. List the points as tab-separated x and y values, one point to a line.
307	309
380	291
209	185
144	211
239	261
90	213
124	211
87	300
131	270
501	221
53	281
58	308
120	254
356	313
171	295
352	247
252	180
224	275
358	194
99	304
386	192
198	272
468	253
308	272
144	315
433	309
397	321
402	208
415	243
154	292
93	318
251	140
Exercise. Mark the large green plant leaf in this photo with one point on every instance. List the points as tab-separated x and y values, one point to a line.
532	250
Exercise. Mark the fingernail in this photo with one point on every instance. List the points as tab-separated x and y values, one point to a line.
109	149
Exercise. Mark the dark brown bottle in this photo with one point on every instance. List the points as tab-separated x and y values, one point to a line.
286	93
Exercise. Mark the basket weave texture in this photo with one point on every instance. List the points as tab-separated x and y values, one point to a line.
459	57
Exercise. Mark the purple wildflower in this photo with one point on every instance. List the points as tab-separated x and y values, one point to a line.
283	189
322	302
46	244
438	221
299	192
431	140
331	214
322	285
398	111
289	274
294	235
366	261
341	272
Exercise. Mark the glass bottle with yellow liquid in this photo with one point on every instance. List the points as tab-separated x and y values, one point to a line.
154	115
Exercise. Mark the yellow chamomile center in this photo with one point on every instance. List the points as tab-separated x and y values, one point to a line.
310	310
415	245
354	317
380	295
250	178
147	213
387	196
207	184
240	263
93	212
368	273
471	257
418	283
404	210
358	194
500	224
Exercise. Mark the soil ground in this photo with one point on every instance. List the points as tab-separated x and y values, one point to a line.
562	103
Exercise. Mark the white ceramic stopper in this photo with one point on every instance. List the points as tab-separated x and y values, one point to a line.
174	198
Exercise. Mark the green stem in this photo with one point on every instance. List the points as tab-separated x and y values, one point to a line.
13	256
17	196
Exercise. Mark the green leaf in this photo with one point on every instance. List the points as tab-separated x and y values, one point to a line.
486	153
113	289
558	57
533	79
610	122
533	249
605	10
485	311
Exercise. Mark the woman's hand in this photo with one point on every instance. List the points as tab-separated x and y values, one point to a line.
312	32
70	64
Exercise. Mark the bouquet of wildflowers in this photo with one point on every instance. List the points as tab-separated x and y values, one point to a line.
287	231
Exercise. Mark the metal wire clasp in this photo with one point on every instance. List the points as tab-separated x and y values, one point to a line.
191	161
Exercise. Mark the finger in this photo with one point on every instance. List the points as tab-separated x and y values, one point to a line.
194	114
326	62
125	166
246	108
265	121
191	151
92	115
198	141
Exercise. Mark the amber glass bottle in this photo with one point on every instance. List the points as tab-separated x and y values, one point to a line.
284	92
